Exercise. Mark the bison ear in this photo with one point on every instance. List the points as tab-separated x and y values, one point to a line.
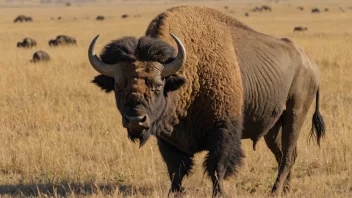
104	82
173	83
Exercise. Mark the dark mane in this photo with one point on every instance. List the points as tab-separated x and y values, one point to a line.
130	49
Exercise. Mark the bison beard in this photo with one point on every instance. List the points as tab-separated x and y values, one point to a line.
143	138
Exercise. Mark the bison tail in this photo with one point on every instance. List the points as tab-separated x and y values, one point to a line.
318	125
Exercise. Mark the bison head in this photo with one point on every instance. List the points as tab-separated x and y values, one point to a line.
52	43
19	44
141	72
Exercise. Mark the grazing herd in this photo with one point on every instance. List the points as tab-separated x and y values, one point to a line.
60	40
301	8
40	56
263	8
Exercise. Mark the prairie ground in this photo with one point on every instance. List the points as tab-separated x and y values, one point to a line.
62	136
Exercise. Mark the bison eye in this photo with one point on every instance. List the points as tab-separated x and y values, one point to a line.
120	86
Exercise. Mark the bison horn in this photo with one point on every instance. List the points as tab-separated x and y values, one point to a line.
98	65
176	64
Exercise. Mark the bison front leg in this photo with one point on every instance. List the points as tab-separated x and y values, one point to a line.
178	164
224	157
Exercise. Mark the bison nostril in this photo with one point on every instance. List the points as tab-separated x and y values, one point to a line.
138	119
143	119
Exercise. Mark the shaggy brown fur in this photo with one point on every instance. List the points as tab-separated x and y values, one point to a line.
203	56
130	49
234	69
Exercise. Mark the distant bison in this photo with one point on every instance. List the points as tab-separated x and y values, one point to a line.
315	10
257	9
246	14
40	56
100	18
300	29
62	40
326	9
124	16
27	43
300	8
266	8
22	18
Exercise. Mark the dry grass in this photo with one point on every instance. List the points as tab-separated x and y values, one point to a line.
60	135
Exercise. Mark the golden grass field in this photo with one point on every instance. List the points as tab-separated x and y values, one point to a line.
61	136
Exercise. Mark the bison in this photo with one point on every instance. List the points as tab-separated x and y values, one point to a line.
100	18
27	43
266	8
124	16
246	14
300	29
62	40
257	9
200	80
40	56
300	8
23	18
315	10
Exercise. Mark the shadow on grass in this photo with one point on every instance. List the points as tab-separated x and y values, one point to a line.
71	189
